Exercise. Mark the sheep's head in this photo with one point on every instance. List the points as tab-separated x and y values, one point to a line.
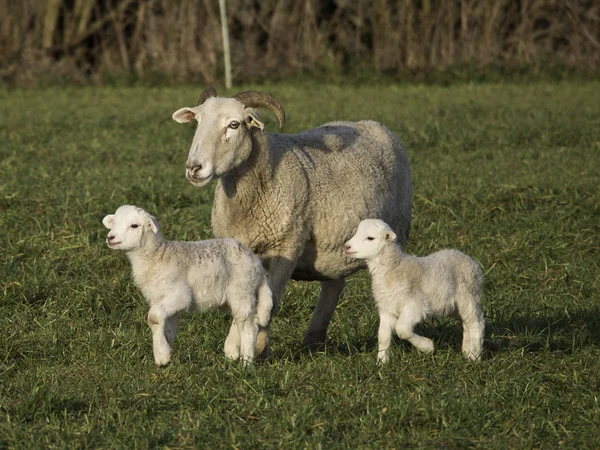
370	238
129	226
223	135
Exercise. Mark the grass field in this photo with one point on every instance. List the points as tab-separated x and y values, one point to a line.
508	173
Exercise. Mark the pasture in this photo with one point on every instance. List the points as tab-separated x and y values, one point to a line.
507	173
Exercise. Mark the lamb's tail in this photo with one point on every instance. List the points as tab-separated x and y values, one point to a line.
265	303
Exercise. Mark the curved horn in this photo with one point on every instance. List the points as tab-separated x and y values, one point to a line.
206	94
255	99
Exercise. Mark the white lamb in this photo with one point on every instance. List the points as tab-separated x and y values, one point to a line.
408	289
187	276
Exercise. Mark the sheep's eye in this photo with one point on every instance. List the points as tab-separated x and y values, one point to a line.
135	225
234	125
370	238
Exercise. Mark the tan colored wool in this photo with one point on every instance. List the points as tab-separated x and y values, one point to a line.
296	199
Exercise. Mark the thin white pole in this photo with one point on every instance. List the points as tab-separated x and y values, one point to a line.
226	50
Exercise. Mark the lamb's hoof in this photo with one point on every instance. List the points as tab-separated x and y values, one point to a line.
423	344
383	360
162	360
233	355
426	347
472	356
247	363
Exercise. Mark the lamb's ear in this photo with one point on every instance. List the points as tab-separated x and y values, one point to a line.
109	221
390	236
153	224
252	119
185	115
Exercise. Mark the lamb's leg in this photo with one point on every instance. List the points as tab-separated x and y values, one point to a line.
247	329
473	332
232	343
412	315
280	271
317	329
384	336
158	316
160	344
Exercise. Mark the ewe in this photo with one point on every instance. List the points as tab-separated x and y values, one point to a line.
296	199
187	276
408	289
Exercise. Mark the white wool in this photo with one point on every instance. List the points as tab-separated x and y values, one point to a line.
187	276
409	289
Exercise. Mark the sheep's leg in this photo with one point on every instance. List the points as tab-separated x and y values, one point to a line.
171	327
280	271
384	336
405	324
162	324
232	343
317	329
247	329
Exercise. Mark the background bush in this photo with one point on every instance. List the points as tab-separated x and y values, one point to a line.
180	40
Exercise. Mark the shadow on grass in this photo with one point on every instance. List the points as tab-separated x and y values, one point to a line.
553	332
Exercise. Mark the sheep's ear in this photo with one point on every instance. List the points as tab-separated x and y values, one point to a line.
252	119
109	221
185	115
390	236
153	224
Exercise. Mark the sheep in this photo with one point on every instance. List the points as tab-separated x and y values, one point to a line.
408	289
295	199
187	276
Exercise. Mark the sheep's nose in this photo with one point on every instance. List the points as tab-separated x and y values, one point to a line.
348	246
111	237
192	172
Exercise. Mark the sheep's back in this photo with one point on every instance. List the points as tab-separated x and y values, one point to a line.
358	170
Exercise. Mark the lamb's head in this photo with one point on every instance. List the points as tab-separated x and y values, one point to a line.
370	238
223	138
129	228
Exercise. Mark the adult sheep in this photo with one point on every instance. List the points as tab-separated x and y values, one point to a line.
296	199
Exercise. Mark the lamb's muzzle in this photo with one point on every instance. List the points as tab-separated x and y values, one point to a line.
110	240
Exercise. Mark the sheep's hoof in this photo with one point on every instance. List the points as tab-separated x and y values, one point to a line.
314	340
264	354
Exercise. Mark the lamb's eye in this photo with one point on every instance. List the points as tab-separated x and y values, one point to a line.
234	125
135	225
370	238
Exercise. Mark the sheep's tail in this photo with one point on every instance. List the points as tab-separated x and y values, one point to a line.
265	304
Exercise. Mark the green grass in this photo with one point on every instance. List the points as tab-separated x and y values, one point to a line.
508	173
